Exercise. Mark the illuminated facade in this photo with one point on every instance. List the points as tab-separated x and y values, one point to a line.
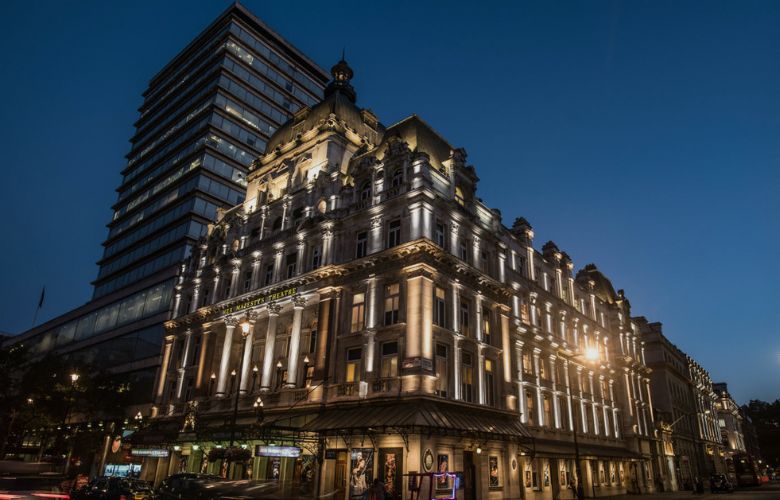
686	405
730	423
377	317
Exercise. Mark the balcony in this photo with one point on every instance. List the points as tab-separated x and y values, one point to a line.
385	385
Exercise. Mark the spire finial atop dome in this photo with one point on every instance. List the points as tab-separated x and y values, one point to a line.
342	74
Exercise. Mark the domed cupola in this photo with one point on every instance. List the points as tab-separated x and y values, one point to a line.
342	74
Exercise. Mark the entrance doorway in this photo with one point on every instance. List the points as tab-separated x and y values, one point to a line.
469	476
340	476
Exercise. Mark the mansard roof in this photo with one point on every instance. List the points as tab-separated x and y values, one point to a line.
420	137
602	286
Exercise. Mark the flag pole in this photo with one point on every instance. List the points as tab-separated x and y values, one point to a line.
40	304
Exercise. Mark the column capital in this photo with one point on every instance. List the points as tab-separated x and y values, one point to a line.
274	309
299	302
376	222
231	321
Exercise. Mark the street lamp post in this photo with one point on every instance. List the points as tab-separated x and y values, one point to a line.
591	354
245	327
74	377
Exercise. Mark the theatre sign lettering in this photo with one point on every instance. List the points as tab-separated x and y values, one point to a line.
263	299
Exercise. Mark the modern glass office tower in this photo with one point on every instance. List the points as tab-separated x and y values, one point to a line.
205	117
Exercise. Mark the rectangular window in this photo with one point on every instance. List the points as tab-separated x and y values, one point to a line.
442	372
467	378
464	318
490	391
389	367
438	234
313	340
530	406
463	249
486	325
226	289
392	303
604	389
358	312
352	374
316	257
548	414
544	373
269	274
247	281
440	308
362	245
528	366
394	233
483	261
290	264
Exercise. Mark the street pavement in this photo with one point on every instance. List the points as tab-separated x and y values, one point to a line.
770	491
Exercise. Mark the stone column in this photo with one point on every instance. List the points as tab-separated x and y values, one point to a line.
224	362
270	341
568	393
532	296
555	386
478	316
246	362
520	387
419	327
481	374
177	301
457	365
295	342
195	295
184	363
204	339
164	366
234	275
454	227
327	246
300	263
256	270
278	254
456	307
375	235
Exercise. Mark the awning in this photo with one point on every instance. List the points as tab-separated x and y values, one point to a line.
558	449
419	416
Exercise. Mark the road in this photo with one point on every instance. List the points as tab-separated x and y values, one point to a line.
769	491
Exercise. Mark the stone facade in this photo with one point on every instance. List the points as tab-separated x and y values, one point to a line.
363	302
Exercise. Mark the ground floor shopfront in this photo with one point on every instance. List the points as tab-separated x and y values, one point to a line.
418	449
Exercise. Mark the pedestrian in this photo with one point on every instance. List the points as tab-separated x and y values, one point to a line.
377	491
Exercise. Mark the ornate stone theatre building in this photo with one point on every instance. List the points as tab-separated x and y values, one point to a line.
363	314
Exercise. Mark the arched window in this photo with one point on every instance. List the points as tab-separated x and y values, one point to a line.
322	206
398	177
459	199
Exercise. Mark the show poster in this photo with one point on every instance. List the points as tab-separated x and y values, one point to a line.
443	482
391	462
361	471
494	479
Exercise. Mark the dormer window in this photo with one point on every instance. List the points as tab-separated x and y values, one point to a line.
459	199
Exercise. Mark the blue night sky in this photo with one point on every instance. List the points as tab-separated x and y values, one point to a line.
642	136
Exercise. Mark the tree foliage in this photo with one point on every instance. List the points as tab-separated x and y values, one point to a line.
766	419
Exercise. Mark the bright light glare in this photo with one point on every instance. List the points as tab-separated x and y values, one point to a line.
592	354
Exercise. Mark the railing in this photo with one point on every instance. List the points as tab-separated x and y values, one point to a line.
346	389
385	385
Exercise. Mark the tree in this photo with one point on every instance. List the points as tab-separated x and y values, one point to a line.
766	419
